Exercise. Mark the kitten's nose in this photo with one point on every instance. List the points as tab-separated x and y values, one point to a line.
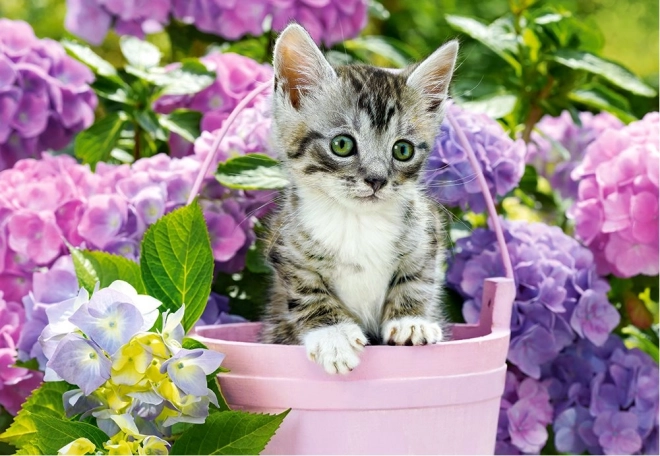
376	182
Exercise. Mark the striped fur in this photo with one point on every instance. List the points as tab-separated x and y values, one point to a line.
352	265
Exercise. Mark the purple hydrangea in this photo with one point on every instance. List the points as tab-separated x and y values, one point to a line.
45	97
558	145
236	76
328	21
217	312
559	295
91	19
605	399
450	178
16	383
525	412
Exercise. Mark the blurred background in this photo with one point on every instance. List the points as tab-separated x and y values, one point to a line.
629	29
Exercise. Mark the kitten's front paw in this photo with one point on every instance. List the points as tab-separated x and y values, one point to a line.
411	331
335	347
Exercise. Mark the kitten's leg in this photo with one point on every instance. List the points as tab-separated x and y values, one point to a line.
411	315
331	338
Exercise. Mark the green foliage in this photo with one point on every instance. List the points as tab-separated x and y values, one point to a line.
41	426
229	432
130	128
252	172
96	266
177	262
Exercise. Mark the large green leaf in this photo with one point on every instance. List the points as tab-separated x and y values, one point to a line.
191	76
610	71
95	266
44	401
183	122
602	100
495	106
139	53
498	36
53	433
377	48
229	432
177	262
252	172
92	60
95	144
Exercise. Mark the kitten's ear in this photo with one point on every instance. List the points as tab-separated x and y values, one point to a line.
432	76
299	64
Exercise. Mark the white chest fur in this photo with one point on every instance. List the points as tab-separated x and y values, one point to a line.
363	242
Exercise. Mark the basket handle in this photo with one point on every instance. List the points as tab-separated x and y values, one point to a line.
490	204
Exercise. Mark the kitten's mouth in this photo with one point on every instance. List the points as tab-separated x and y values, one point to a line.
372	197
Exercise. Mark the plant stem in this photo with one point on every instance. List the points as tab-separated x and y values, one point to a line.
536	112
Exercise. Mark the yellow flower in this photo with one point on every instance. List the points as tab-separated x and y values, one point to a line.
169	391
121	447
78	446
153	371
113	396
153	445
153	343
130	363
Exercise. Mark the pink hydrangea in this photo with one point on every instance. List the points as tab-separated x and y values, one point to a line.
616	212
45	97
558	146
45	202
16	383
236	76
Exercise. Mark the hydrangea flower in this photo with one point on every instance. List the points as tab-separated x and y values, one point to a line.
616	212
133	382
558	145
606	399
559	295
16	383
45	97
525	412
108	210
450	178
236	76
328	21
91	19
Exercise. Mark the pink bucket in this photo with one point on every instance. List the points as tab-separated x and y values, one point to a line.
433	399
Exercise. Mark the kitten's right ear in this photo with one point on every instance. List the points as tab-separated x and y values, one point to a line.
299	64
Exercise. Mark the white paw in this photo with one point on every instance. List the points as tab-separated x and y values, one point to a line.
411	331
335	347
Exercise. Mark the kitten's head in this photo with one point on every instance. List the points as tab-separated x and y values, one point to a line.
356	133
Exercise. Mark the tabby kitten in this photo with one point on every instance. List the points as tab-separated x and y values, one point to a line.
356	246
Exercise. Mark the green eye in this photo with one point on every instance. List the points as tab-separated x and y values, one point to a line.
403	150
342	145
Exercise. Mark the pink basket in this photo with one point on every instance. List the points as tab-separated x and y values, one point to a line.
435	399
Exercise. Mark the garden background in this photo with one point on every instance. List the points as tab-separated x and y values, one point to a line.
558	98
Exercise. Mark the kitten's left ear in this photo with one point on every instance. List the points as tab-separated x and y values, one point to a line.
432	76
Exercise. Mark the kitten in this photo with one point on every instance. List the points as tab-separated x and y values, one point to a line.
356	246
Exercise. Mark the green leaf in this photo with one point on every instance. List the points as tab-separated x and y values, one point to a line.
183	122
229	432
139	53
610	71
602	101
44	401
371	48
95	144
96	266
32	364
148	120
213	384
495	106
255	260
53	433
378	11
189	77
92	60
499	36
191	344
252	172
177	262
